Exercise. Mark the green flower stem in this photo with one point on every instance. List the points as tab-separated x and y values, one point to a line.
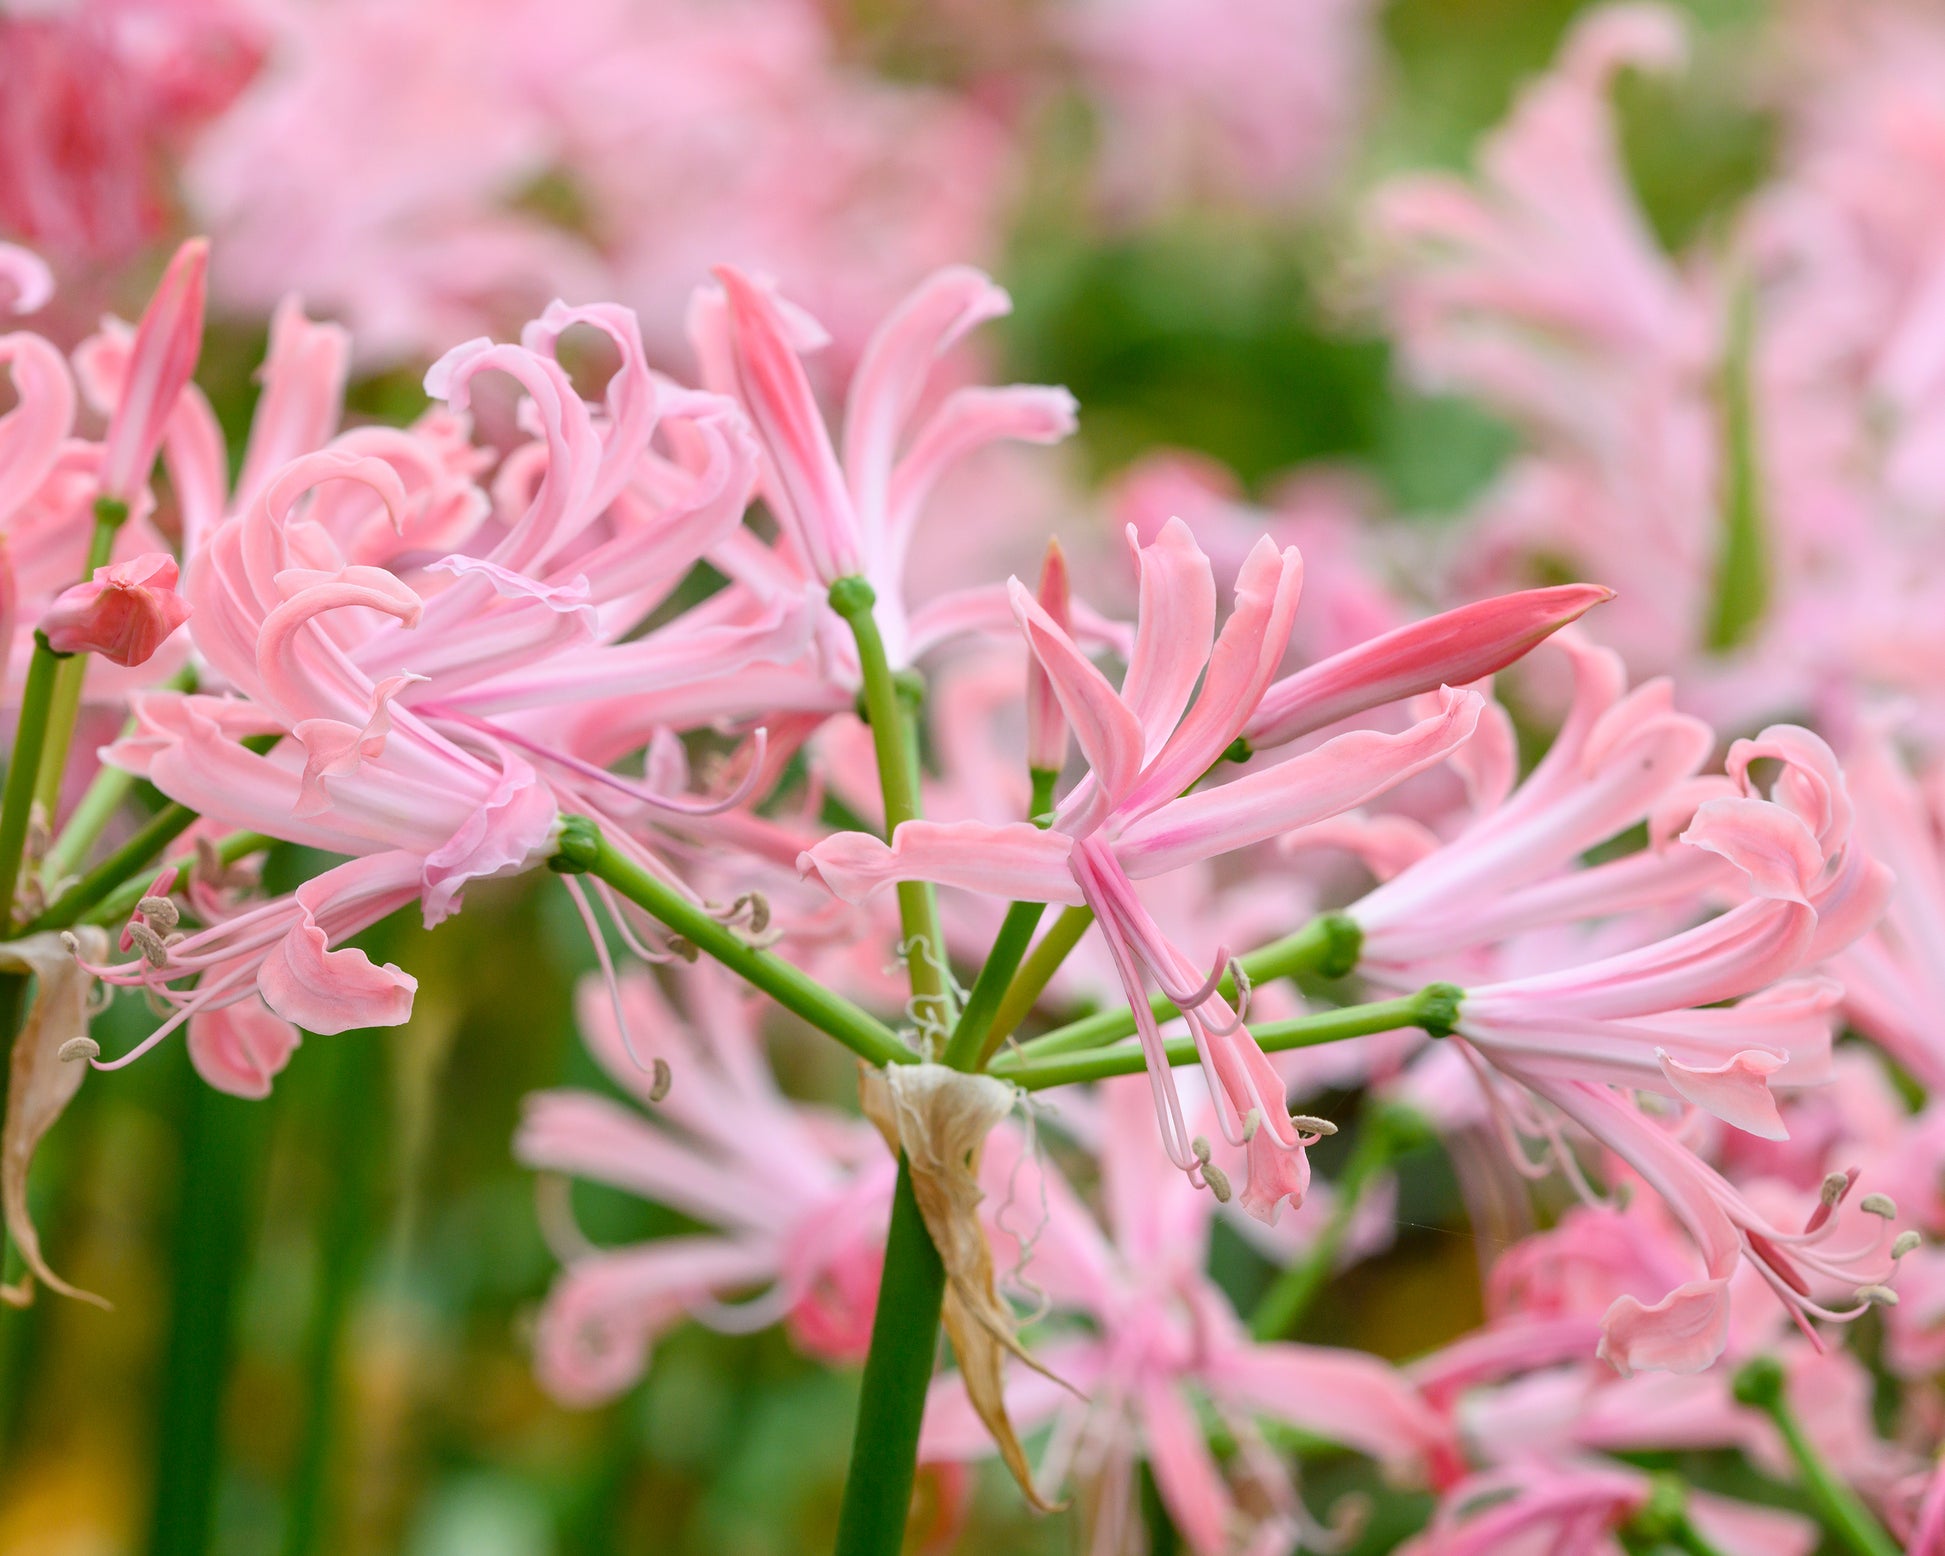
890	708
66	707
1042	804
120	902
905	1327
583	850
1434	1008
30	739
1327	945
223	1141
1038	969
1282	1308
1759	1383
970	1046
897	1373
1663	1521
154	835
96	808
975	1038
351	1133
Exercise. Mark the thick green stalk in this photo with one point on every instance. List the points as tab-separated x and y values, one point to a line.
221	1140
30	740
1038	969
1759	1383
897	1373
66	707
583	850
1434	1008
889	707
1327	945
1283	1306
148	840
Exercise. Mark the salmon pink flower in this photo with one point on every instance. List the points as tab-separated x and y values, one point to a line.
1131	818
123	613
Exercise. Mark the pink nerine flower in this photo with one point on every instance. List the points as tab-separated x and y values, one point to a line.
1131	818
123	613
856	514
1163	1343
796	1199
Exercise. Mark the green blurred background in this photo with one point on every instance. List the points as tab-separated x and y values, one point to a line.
320	1300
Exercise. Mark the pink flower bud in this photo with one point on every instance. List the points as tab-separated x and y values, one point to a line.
167	343
1046	723
123	613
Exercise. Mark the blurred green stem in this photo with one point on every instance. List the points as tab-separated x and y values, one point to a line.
1283	1306
118	904
221	1141
1742	573
148	840
110	515
349	1140
96	808
1759	1383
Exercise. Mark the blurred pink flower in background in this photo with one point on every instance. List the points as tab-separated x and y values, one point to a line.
97	100
427	171
1248	101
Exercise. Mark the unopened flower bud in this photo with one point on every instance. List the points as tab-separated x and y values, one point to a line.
123	613
1046	723
160	362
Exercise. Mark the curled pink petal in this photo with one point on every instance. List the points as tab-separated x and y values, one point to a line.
241	1048
1736	1091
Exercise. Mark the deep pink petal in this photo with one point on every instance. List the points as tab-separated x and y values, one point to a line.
1452	649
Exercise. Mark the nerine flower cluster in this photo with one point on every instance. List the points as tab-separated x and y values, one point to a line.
1619	968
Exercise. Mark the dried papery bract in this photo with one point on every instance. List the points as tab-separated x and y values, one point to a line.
43	1076
940	1118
